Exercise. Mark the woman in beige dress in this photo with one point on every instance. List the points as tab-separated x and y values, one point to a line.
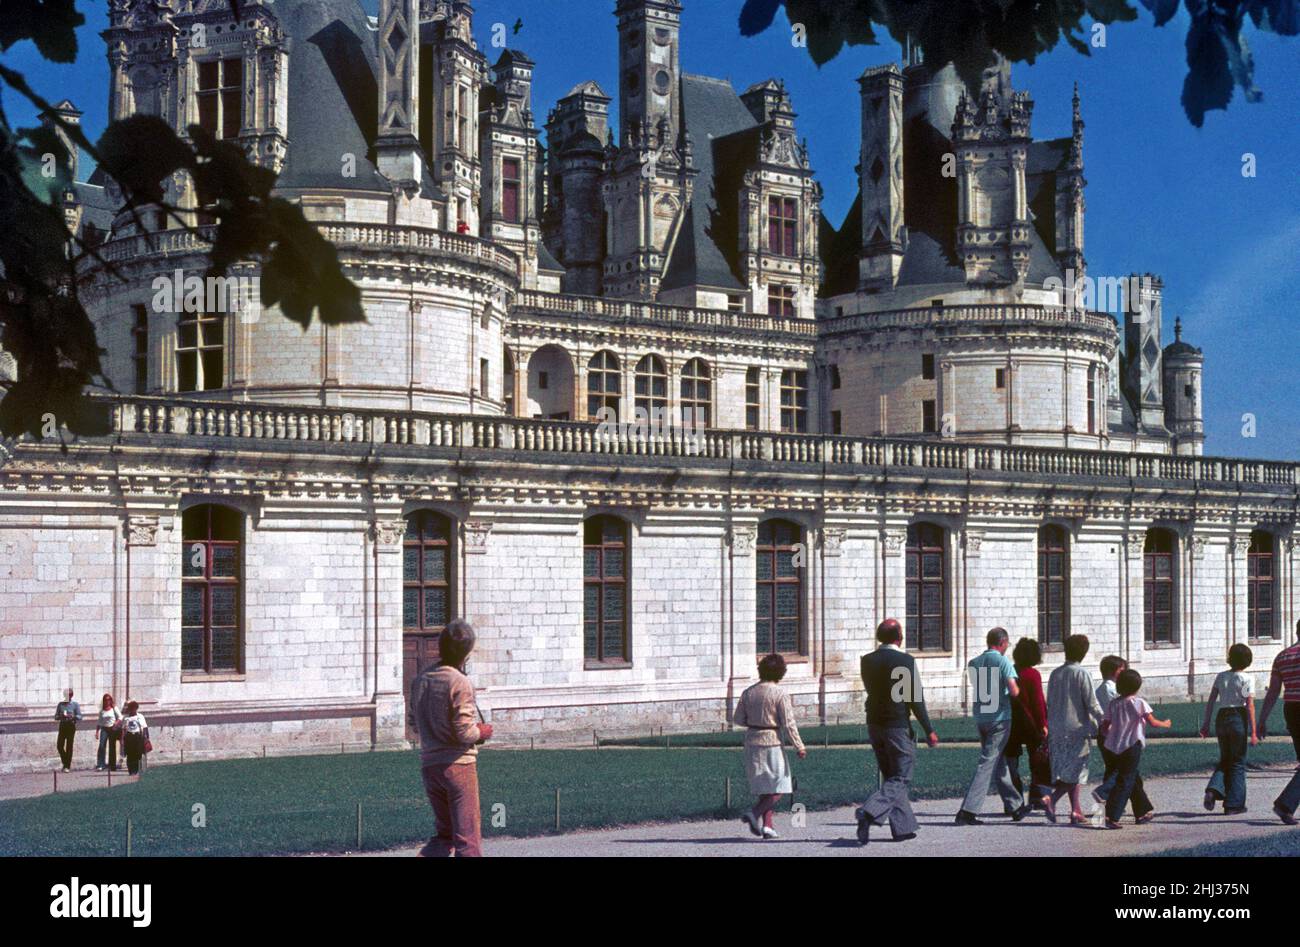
766	711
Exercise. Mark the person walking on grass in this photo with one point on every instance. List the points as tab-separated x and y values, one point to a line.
1123	732
1029	726
1143	810
894	695
993	687
107	730
447	718
135	737
1073	716
767	713
1234	690
1285	682
67	712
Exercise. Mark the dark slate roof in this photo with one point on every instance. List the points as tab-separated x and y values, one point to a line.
333	95
99	210
719	124
546	262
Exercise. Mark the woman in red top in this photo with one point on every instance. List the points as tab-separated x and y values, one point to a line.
1029	723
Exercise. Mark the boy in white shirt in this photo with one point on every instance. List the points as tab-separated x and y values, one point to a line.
1234	690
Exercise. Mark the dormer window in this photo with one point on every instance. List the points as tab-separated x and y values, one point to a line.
783	226
221	97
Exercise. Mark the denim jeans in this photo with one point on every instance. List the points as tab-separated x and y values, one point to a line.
452	789
1229	779
1126	777
1141	802
107	741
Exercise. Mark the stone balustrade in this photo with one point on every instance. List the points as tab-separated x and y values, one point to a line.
632	311
265	422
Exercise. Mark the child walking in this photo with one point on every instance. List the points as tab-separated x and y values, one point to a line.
1123	732
1143	811
1235	692
767	712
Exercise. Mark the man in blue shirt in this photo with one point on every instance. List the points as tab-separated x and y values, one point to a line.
993	687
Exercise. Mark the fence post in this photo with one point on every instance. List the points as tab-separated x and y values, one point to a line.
728	793
128	836
794	788
358	825
56	780
557	810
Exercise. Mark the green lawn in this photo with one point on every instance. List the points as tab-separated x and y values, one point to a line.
297	804
1186	719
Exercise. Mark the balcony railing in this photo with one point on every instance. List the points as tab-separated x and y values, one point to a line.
325	426
970	315
632	311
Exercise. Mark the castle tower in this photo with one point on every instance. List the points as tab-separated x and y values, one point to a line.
397	148
510	157
1070	203
575	132
991	139
1182	383
649	91
649	185
1143	374
880	175
452	71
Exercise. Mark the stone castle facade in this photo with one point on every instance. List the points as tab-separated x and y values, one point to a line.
627	401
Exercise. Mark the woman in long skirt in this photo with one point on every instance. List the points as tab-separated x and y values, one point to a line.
1073	716
766	711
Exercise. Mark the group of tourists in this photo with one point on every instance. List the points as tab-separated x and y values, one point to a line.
1014	717
112	726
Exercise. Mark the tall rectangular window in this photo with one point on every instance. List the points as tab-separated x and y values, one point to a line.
1053	586
200	351
927	618
927	367
140	340
783	226
483	378
510	189
1158	587
779	579
1260	588
780	300
211	569
794	401
604	590
928	424
753	398
221	96
1092	399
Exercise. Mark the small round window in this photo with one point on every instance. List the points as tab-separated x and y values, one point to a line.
663	82
662	36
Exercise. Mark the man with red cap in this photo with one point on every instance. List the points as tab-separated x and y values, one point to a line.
893	697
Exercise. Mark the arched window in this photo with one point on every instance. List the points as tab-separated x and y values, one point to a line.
211	572
1261	587
604	590
1053	585
1158	587
927	593
427	573
652	386
794	401
604	384
697	394
779	574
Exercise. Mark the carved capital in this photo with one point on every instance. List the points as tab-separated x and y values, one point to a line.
476	536
1134	543
974	539
142	530
1198	547
387	534
895	541
741	539
832	537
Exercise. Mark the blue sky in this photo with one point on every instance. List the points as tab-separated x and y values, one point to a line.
1162	196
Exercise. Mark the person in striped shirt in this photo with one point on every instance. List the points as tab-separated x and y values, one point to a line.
1286	681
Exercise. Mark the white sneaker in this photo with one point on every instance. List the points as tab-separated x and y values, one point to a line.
769	832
